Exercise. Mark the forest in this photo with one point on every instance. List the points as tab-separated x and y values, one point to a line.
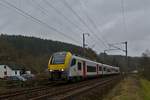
33	53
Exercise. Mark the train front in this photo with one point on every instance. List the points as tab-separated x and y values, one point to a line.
58	65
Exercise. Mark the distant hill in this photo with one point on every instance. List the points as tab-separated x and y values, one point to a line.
34	53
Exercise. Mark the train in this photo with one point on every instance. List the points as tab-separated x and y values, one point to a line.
67	66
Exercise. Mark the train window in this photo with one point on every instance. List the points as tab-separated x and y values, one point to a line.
91	69
58	58
108	70
51	60
104	69
79	66
100	68
73	62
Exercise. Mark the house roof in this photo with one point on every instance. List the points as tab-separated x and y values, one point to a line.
16	67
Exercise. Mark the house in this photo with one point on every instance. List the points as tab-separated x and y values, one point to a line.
11	70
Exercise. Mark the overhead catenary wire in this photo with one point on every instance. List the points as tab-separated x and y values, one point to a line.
83	22
105	42
74	12
123	16
60	12
40	7
114	45
43	10
39	21
63	15
57	11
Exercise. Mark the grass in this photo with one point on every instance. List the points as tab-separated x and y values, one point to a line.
7	86
128	89
131	88
145	88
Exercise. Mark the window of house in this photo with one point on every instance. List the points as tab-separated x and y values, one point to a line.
79	66
5	73
5	67
16	72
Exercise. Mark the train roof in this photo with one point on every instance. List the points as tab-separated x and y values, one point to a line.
77	57
85	59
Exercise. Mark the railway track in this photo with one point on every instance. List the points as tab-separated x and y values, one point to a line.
65	93
24	91
56	91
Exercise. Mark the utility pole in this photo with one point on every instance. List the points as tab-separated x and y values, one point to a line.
84	44
126	48
114	47
127	60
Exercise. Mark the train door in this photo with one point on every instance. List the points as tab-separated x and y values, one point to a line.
97	69
80	68
84	69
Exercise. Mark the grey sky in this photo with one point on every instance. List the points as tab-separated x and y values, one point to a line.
106	25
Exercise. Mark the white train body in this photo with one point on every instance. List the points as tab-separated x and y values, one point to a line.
78	67
87	68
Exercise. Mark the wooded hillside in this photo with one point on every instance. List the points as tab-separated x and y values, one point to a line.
34	53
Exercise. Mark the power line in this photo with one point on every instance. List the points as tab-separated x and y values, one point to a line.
123	16
93	24
65	17
39	21
42	8
74	12
60	12
78	16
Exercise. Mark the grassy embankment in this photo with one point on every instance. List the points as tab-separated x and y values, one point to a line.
145	89
7	86
131	88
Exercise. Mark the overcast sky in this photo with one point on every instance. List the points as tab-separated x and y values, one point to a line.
107	21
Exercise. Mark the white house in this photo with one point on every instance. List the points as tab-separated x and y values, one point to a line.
10	70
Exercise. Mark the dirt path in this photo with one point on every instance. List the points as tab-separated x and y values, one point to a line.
128	89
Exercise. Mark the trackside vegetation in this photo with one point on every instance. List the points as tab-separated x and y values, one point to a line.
145	89
145	65
132	87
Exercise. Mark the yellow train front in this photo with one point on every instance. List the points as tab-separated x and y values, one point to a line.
58	65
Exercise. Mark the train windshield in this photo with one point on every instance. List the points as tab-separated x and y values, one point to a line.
58	58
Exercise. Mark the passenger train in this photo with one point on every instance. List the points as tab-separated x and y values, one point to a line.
66	66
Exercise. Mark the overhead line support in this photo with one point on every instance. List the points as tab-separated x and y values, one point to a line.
84	44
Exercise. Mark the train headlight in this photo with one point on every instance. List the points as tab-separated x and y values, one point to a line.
62	69
51	70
